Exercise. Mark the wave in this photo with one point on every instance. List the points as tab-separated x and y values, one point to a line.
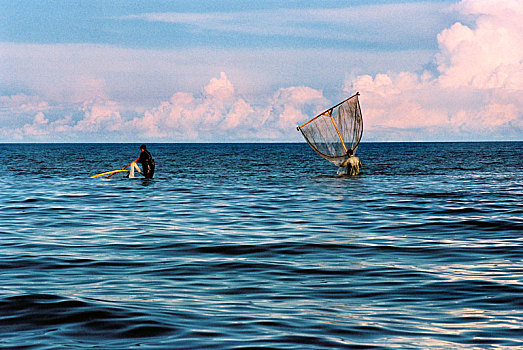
53	314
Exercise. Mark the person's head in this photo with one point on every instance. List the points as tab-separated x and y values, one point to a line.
349	153
143	147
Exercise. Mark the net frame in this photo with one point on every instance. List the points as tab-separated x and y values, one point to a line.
336	131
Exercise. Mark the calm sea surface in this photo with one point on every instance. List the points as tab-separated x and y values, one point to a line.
262	246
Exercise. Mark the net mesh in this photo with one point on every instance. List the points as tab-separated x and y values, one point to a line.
335	132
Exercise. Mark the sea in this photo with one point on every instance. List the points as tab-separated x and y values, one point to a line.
262	246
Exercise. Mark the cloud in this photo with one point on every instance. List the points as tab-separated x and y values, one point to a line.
220	87
489	56
138	79
220	115
355	23
288	106
21	103
94	93
216	114
477	93
99	115
38	127
22	110
188	117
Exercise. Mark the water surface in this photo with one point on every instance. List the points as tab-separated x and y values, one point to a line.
261	245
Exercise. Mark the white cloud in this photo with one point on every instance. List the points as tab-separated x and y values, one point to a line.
289	107
477	95
99	115
21	103
220	87
37	127
218	114
377	23
489	56
137	79
19	112
87	92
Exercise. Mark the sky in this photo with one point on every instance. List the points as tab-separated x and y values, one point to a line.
251	71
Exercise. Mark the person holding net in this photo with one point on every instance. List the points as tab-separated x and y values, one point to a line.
351	166
335	134
147	162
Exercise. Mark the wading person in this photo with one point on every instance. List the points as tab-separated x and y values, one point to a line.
351	166
147	162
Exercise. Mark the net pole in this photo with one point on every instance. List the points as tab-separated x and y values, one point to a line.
338	131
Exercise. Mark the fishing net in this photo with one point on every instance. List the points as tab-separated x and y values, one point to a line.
336	132
132	168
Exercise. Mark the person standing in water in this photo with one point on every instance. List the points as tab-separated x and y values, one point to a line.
352	165
147	162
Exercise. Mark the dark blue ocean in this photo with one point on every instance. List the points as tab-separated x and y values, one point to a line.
236	246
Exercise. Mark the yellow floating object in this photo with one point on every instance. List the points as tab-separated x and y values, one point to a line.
109	172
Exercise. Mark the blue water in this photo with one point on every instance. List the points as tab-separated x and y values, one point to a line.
262	246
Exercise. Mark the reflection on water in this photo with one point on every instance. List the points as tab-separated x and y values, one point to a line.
264	246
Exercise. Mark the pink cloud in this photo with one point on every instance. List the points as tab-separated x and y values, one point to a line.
237	115
220	87
38	126
289	107
99	115
488	56
479	89
219	114
22	103
476	92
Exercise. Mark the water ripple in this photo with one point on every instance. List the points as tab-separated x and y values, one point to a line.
262	246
